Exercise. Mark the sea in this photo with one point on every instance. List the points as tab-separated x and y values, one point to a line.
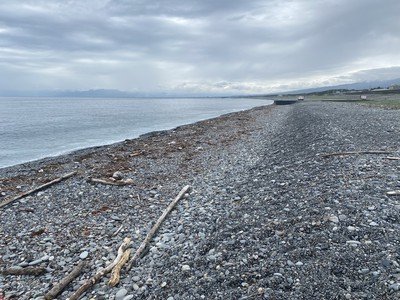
34	128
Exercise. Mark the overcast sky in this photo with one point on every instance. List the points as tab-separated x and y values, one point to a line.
241	46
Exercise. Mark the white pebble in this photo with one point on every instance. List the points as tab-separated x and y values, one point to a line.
334	219
185	268
83	255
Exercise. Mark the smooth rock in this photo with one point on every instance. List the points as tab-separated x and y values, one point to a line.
353	243
290	263
185	268
84	254
118	175
333	219
121	294
351	228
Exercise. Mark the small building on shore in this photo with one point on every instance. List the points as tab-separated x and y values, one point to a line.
363	97
300	98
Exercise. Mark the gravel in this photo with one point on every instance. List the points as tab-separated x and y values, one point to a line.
268	217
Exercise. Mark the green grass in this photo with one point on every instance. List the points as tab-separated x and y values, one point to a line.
387	101
389	104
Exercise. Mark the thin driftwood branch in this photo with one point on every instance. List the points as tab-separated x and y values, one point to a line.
92	281
34	271
355	153
59	287
115	273
154	229
109	182
392	158
393	193
118	230
41	187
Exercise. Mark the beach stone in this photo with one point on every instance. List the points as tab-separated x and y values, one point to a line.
353	243
84	255
118	175
121	294
185	268
290	263
128	297
351	228
333	219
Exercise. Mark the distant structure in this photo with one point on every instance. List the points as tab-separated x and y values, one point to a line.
363	97
300	98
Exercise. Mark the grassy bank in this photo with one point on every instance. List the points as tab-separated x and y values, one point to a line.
382	103
383	100
388	103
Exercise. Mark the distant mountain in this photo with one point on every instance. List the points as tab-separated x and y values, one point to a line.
102	93
94	93
113	93
350	86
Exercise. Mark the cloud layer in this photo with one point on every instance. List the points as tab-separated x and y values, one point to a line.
200	46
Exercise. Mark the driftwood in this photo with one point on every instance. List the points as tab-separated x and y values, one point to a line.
118	230
136	153
154	229
354	153
59	287
393	193
92	281
41	187
392	158
109	182
115	273
33	271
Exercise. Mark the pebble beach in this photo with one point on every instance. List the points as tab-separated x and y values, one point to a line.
268	216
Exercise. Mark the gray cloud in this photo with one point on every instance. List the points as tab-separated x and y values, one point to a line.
204	45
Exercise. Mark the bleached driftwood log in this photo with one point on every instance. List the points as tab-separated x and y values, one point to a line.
109	182
393	193
92	281
41	187
155	227
59	287
392	158
355	153
115	273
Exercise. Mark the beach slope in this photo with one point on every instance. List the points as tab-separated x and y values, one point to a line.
269	216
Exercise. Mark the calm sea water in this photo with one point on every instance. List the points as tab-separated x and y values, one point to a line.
33	128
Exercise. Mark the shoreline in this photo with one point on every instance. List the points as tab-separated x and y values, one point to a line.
267	217
26	174
95	147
